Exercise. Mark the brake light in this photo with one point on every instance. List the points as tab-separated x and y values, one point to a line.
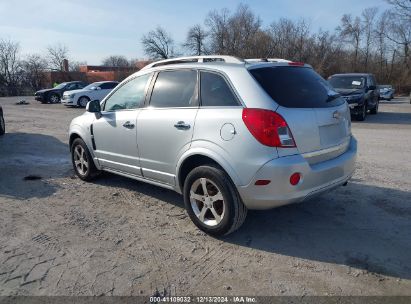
296	63
268	127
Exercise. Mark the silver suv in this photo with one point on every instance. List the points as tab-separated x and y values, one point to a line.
228	134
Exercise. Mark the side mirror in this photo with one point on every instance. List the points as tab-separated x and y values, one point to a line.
98	88
372	87
93	106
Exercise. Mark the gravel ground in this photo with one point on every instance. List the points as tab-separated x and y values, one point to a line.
116	236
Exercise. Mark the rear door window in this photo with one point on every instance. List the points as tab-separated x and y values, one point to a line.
214	91
296	87
175	89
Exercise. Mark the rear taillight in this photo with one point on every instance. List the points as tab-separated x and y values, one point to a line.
268	127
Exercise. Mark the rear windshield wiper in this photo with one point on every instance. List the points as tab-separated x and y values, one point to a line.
332	97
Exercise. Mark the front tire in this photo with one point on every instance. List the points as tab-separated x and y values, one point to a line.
82	161
54	98
212	201
2	125
82	101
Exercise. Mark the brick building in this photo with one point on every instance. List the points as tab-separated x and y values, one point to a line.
92	73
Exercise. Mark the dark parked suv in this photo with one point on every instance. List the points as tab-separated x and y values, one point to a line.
2	124
359	90
55	94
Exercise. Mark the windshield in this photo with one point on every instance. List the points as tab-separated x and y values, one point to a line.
91	86
347	82
295	87
61	85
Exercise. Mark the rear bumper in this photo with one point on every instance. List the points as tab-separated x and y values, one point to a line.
316	179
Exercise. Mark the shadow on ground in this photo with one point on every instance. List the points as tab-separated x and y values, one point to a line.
361	226
36	155
388	118
112	180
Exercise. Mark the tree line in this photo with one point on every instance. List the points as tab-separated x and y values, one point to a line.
377	42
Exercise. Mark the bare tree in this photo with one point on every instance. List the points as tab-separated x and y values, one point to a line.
116	61
351	30
74	66
234	34
158	44
56	54
401	8
195	40
217	23
382	45
10	67
368	21
34	67
290	39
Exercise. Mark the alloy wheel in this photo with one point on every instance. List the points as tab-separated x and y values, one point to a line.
83	102
80	160
54	99
207	201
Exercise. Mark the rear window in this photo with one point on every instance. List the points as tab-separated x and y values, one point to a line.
296	87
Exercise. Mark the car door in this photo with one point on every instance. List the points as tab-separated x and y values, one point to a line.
165	126
115	132
372	91
69	87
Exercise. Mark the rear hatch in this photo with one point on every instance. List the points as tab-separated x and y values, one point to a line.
318	117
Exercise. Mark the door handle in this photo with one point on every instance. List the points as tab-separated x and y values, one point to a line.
128	125
181	125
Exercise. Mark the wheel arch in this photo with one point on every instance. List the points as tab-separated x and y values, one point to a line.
199	157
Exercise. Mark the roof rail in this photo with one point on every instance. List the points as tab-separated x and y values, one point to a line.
256	60
188	59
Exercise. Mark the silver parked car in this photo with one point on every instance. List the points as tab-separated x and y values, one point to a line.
386	92
228	134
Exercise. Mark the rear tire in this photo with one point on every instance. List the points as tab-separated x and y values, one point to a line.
361	116
218	210
2	125
375	110
82	161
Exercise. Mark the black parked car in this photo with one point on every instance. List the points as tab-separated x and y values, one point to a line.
359	90
2	124
54	95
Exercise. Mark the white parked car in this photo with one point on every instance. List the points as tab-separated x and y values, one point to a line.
94	91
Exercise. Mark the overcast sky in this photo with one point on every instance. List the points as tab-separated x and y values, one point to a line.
94	29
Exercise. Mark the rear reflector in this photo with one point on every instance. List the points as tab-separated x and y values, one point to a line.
268	127
295	178
262	182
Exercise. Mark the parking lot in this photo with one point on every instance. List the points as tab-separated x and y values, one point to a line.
116	236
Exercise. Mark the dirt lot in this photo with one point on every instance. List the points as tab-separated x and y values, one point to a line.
116	236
